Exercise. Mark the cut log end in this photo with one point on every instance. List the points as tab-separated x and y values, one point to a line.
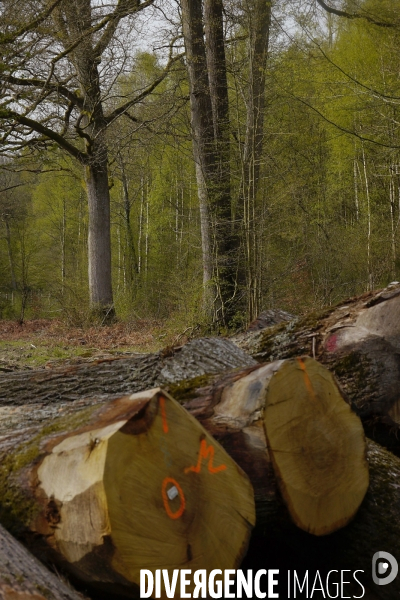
145	487
317	446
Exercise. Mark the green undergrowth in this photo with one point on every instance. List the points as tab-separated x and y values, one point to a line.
25	354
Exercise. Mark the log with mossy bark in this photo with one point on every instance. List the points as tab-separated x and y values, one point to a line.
126	491
82	491
120	375
359	341
229	406
287	424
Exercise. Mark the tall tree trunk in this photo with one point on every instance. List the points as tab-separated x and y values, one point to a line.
132	265
370	285
259	16
63	243
210	130
203	138
72	19
227	243
99	239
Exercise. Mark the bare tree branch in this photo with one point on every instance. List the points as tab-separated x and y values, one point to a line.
342	13
45	131
122	109
123	9
10	38
41	83
340	127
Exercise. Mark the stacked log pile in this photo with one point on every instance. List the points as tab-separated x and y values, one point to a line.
359	341
107	485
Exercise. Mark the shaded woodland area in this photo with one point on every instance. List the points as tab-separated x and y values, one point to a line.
256	167
201	164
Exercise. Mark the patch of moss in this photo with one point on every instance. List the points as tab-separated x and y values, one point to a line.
185	390
284	341
44	591
350	364
23	459
17	508
313	319
68	422
23	354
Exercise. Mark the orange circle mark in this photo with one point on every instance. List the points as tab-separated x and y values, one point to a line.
179	512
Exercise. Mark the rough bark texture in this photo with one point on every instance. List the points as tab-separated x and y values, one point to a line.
267	318
122	375
359	341
259	16
23	577
202	133
209	106
374	527
99	238
227	241
72	19
259	20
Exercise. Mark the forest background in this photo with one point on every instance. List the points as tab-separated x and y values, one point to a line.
304	210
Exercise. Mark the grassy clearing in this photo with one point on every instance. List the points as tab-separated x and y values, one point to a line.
47	343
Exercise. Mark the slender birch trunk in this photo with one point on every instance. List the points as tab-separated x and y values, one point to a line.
367	195
259	15
10	255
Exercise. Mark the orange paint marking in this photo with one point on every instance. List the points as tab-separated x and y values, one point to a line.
178	513
163	415
206	452
307	380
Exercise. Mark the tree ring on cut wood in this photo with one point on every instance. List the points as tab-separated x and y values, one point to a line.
317	446
144	486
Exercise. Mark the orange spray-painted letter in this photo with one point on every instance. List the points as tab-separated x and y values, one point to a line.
163	415
206	452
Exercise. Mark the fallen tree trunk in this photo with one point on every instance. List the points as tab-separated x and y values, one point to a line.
23	577
288	415
359	341
231	408
352	547
121	375
119	494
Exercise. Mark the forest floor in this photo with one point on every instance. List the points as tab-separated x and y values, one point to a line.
47	343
